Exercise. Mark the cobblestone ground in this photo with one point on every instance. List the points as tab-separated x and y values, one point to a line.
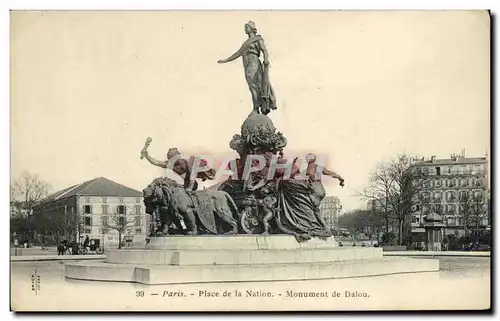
463	283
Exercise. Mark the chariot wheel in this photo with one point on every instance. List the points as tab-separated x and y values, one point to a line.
99	250
84	251
250	223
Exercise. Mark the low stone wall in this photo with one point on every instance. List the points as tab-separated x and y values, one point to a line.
394	248
438	253
26	258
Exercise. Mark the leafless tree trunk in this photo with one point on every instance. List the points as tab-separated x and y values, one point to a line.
26	192
395	185
378	193
474	210
120	222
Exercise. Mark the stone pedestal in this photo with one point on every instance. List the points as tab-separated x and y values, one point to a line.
242	258
238	242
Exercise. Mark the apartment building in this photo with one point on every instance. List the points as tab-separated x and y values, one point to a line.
330	209
448	183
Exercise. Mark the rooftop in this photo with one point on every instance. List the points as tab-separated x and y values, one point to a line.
331	199
451	161
100	186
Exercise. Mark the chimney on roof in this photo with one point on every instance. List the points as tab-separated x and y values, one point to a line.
433	158
463	152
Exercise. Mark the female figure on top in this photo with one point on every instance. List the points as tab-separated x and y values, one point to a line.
256	73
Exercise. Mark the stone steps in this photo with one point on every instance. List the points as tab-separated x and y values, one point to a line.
171	274
242	258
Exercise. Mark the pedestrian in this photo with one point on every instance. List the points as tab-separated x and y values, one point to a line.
74	248
61	248
86	242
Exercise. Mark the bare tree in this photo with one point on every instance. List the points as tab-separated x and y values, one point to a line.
395	187
474	209
121	220
408	182
25	193
378	192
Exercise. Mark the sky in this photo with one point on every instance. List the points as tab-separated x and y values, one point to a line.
87	89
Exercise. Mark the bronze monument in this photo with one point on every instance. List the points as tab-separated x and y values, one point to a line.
269	200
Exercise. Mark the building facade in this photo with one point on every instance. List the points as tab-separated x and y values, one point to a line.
96	209
330	209
449	188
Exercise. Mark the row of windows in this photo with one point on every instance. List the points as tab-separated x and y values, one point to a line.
452	195
122	220
330	205
329	214
440	208
453	170
88	208
120	209
448	220
110	237
105	199
452	182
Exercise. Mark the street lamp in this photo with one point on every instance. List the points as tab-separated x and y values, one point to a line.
103	233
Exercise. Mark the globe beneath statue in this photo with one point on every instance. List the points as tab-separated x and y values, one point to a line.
258	136
256	121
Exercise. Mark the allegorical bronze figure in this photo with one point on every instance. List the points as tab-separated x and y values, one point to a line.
256	72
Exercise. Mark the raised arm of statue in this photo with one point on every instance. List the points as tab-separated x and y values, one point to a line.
233	57
154	161
251	40
330	173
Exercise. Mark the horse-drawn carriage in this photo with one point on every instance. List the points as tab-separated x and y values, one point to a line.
75	248
93	246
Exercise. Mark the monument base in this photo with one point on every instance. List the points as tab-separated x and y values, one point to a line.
242	258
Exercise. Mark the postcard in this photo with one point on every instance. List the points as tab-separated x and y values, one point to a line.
250	160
